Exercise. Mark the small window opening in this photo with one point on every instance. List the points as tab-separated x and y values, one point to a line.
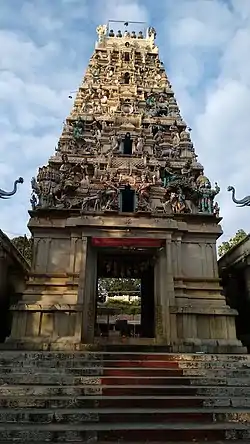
126	78
126	56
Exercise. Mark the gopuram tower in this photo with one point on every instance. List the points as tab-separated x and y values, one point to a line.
124	196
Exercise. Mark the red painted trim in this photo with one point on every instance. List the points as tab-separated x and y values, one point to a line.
126	242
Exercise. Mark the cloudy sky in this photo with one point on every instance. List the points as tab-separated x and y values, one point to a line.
44	49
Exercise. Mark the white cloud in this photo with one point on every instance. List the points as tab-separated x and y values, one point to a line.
214	92
123	10
205	46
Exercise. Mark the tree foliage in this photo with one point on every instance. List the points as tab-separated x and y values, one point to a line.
24	245
226	246
115	286
125	307
119	286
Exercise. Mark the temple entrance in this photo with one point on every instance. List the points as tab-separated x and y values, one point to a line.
125	294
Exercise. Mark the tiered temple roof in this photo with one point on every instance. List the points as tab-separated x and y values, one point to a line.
125	146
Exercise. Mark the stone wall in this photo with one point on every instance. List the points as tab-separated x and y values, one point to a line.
234	270
13	275
58	305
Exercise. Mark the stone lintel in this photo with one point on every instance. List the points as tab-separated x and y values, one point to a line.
181	222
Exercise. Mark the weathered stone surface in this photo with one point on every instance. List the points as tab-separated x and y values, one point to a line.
197	406
119	138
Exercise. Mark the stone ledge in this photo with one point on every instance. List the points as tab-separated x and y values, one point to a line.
224	311
46	308
39	275
72	344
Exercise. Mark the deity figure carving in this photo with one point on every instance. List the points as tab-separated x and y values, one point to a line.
111	195
216	209
187	168
125	130
101	32
143	189
177	202
185	136
67	127
206	198
78	129
169	175
202	181
175	139
156	177
139	145
44	188
114	142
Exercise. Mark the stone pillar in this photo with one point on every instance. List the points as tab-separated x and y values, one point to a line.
164	295
81	289
89	295
169	289
147	303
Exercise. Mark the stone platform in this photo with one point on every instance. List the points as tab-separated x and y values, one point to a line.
123	397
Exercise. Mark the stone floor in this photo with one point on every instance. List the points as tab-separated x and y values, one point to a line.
124	397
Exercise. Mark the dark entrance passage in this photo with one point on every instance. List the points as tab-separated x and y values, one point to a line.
6	300
127	200
135	264
235	292
127	144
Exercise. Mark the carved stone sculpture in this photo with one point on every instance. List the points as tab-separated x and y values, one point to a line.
124	183
123	131
245	202
101	31
8	194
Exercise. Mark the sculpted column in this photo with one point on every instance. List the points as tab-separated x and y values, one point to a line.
164	295
87	294
169	292
81	289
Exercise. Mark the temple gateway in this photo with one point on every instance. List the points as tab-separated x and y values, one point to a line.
124	196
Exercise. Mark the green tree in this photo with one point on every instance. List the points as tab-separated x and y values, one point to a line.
125	307
226	246
24	244
115	286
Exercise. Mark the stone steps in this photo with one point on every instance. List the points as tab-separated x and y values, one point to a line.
108	415
125	432
122	402
68	356
81	390
118	397
82	363
152	442
99	369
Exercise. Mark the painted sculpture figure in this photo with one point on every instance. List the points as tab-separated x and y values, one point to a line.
8	194
124	195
